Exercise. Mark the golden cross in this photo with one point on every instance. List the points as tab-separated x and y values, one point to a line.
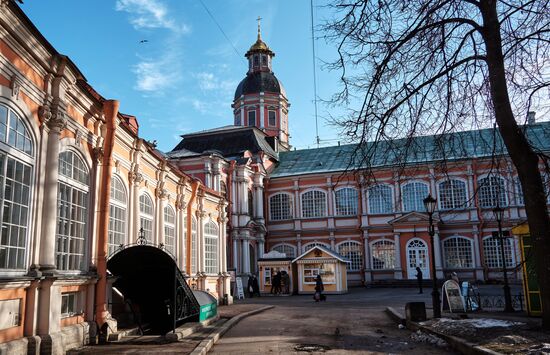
259	33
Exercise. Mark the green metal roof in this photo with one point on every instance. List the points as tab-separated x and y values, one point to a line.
421	149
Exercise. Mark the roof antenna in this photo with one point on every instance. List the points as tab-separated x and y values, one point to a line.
314	75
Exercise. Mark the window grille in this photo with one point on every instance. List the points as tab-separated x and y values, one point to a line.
314	204
452	194
280	207
383	255
458	253
289	250
491	192
170	230
346	202
13	131
313	244
117	215
353	252
272	120
380	199
211	248
69	304
194	241
72	212
414	194
146	216
492	253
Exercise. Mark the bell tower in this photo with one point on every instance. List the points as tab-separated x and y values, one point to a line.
260	99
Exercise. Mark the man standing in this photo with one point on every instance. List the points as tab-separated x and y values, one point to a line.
419	279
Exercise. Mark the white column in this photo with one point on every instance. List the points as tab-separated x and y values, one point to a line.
398	273
477	258
55	124
161	202
366	257
262	107
330	199
397	193
181	234
200	239
246	256
437	251
236	255
299	244
137	178
332	241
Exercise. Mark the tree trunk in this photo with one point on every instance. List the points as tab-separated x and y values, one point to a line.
524	158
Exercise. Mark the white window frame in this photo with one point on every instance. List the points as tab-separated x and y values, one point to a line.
279	211
452	192
211	248
496	262
315	270
169	229
283	246
350	207
311	245
121	207
146	218
357	260
486	191
385	250
194	245
418	200
458	250
275	118
378	199
74	300
318	205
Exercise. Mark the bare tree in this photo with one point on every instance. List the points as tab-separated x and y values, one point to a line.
437	66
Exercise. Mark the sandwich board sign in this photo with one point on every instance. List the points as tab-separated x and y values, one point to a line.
454	297
240	290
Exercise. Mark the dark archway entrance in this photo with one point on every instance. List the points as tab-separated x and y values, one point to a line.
149	278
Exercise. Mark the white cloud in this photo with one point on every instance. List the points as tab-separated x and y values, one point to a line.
150	14
154	75
209	81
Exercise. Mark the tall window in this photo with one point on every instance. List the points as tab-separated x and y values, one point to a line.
280	207
380	199
354	252
170	230
251	118
211	248
491	191
518	192
458	253
117	215
452	194
271	115
414	194
146	216
72	212
194	242
346	202
16	164
383	255
287	249
314	204
238	119
251	204
493	255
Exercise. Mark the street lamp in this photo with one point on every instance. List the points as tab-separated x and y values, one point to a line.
429	205
499	216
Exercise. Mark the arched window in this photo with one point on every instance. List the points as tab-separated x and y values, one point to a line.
309	246
16	166
493	255
251	203
518	192
211	248
380	199
194	242
346	201
458	253
491	192
117	215
170	230
146	216
314	204
414	194
383	254
354	252
287	249
72	209
452	194
280	207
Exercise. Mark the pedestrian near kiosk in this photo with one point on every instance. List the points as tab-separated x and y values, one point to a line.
276	283
319	288
286	282
419	279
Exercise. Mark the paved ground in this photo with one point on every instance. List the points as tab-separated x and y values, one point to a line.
352	323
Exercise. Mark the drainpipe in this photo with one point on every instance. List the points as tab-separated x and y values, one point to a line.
110	110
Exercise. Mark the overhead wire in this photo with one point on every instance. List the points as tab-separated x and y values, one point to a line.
220	28
314	74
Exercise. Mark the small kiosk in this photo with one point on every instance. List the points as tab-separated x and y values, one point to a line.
321	261
272	263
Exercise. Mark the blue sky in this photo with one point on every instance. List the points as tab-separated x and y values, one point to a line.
183	78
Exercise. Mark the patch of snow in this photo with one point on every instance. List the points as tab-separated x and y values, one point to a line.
482	322
540	349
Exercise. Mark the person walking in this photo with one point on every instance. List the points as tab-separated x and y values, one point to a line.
419	279
250	286
319	288
255	285
276	283
286	282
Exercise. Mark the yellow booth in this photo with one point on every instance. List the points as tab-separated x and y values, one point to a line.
270	265
321	261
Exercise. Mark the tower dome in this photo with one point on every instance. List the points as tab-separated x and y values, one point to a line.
260	98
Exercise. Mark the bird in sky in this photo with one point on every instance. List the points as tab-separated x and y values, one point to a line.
144	41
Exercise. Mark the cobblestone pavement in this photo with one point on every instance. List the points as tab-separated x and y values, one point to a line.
344	324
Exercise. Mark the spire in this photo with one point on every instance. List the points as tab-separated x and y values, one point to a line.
259	30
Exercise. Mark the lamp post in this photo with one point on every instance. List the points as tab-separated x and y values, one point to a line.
429	204
499	216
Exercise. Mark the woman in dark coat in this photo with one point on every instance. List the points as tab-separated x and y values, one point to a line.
319	288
